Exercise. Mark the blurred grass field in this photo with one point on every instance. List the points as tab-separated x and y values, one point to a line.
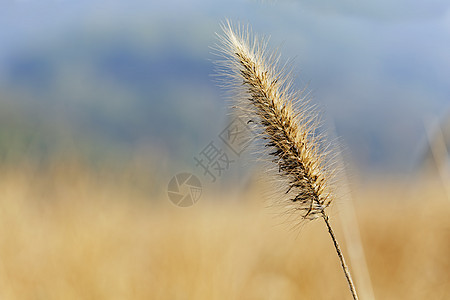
68	232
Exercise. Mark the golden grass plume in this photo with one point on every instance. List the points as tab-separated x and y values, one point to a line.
266	99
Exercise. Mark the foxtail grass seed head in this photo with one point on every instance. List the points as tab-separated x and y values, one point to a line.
286	126
266	99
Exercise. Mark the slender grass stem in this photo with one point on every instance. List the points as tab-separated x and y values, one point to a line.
341	257
288	132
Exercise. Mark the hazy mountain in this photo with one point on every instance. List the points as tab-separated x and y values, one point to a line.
112	76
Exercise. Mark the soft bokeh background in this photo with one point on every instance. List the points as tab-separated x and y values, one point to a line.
102	102
106	78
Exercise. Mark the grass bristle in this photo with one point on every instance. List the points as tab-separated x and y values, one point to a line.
266	99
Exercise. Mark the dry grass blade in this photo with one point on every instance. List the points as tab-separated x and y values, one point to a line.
438	149
266	99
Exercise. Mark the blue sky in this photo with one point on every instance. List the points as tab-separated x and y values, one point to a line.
376	69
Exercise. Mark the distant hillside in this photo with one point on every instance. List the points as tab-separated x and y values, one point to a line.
109	78
111	93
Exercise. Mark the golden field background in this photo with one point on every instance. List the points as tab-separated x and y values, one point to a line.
67	232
